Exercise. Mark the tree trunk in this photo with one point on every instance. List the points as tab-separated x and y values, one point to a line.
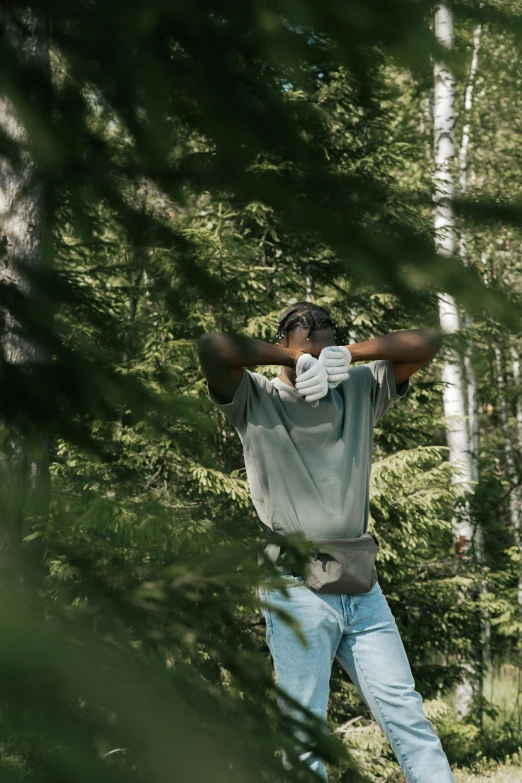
469	369
309	294
269	260
474	435
514	495
23	459
466	135
463	248
518	490
454	397
516	376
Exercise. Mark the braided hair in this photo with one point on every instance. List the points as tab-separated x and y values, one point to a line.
305	314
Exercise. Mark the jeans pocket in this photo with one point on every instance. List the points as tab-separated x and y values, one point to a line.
288	580
370	601
291	580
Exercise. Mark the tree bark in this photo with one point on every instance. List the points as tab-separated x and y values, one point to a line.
473	425
268	259
463	248
516	376
454	397
23	459
309	293
514	495
466	131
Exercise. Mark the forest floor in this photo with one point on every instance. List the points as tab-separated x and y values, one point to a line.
499	774
502	689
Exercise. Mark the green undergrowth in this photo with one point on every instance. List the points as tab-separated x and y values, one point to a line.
491	754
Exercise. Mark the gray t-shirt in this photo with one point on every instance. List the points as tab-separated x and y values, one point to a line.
309	468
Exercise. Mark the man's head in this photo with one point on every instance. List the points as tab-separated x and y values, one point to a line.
306	326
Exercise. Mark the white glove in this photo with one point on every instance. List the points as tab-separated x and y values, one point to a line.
337	360
311	379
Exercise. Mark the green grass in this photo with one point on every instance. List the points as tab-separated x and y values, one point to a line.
494	757
492	773
503	688
502	720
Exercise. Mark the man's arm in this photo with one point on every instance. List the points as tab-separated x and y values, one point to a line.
408	350
223	356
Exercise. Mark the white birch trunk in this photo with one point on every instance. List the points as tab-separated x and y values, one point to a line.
23	466
514	495
516	376
353	337
309	292
463	183
474	435
466	135
473	424
508	448
454	395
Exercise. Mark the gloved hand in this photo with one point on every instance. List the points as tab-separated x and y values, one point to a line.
337	360
311	379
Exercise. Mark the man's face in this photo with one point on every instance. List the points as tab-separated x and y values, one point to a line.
319	339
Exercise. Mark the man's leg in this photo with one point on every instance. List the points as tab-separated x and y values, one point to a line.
304	672
372	653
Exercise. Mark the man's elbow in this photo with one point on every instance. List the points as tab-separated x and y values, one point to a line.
207	341
434	341
215	347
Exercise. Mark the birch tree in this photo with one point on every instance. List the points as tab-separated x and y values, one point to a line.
454	397
463	250
23	460
514	495
309	291
444	219
515	366
469	370
515	492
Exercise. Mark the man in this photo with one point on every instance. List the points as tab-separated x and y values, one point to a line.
307	438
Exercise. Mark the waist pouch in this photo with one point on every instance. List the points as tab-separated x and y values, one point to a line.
343	565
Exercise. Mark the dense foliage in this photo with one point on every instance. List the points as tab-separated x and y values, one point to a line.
203	167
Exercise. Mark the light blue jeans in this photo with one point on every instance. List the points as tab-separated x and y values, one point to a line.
361	632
